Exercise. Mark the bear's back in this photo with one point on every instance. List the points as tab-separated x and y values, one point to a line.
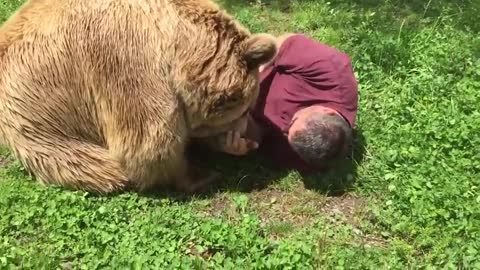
109	36
56	57
105	39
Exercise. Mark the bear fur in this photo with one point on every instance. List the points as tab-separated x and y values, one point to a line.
105	95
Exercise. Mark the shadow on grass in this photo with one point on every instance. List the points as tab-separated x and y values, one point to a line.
426	8
461	10
247	174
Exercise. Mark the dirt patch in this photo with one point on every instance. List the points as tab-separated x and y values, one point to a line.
218	206
349	207
283	212
351	210
4	161
206	254
298	207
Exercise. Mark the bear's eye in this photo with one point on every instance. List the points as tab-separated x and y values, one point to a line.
227	101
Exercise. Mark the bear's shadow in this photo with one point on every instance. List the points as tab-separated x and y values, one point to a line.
247	174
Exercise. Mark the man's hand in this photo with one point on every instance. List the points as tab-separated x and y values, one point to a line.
236	145
231	142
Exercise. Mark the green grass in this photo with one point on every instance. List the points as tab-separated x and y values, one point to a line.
414	201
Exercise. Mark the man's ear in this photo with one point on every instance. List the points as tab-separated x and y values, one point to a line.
259	49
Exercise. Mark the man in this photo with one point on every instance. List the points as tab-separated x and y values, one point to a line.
306	109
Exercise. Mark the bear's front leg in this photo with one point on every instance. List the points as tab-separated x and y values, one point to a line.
194	179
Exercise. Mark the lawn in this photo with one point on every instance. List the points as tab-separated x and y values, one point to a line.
410	197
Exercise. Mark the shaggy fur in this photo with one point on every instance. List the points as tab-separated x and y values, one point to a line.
103	95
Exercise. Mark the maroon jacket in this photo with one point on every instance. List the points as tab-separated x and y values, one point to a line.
304	73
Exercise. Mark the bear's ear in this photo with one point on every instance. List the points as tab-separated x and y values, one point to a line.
259	49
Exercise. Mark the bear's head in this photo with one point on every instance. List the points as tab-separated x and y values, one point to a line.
232	89
219	61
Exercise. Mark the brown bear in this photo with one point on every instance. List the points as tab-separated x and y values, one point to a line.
104	95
